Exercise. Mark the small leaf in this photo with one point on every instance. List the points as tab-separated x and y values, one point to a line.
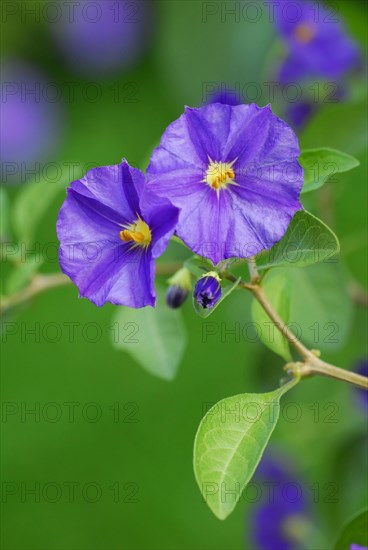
354	533
22	274
31	203
321	164
227	289
154	337
278	292
199	266
4	215
307	241
229	444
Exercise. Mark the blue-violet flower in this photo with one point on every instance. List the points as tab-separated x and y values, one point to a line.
111	229
317	43
233	171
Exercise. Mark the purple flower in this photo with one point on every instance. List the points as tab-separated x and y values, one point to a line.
207	291
298	114
279	518
316	42
357	547
104	36
29	124
362	368
233	172
111	228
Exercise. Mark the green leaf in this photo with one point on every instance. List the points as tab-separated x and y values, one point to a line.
154	337
199	266
355	532
21	274
278	292
320	309
227	289
229	444
31	203
4	215
307	241
321	164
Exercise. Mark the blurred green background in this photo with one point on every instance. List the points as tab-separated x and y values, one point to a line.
131	467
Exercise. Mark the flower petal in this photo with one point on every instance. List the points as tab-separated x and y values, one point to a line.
115	274
116	187
81	221
162	218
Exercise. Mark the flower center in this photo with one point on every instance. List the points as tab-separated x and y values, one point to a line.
138	232
219	174
304	33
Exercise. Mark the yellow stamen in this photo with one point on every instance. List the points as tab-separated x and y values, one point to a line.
219	174
138	232
304	33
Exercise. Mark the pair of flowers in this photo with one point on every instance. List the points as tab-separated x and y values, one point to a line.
115	221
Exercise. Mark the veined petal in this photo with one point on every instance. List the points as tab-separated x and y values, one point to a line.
162	218
248	131
208	128
180	183
81	221
219	231
116	187
277	183
115	274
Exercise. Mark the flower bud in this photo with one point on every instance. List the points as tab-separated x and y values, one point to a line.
207	291
176	296
180	285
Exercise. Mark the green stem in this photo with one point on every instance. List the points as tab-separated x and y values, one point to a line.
312	363
38	284
41	283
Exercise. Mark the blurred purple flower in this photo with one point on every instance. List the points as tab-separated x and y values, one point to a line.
361	367
357	547
316	42
104	36
234	173
279	520
111	229
29	123
299	113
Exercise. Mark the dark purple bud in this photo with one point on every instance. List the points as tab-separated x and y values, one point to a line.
207	291
176	296
180	285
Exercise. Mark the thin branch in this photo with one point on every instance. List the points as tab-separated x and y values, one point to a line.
312	363
358	294
254	275
325	369
41	283
38	284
